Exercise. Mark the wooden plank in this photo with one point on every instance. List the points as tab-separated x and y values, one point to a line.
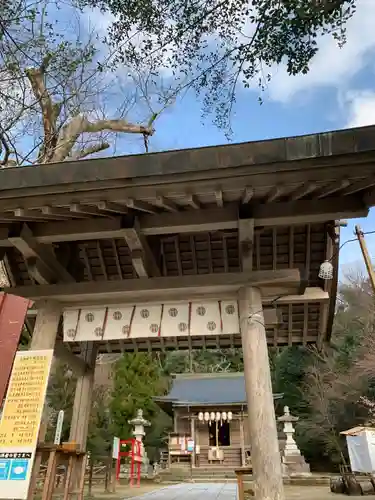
140	289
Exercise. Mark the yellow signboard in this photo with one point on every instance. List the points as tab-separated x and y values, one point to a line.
23	407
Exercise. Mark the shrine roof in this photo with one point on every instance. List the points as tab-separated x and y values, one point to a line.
177	214
207	389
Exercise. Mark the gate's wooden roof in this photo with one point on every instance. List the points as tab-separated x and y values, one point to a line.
184	206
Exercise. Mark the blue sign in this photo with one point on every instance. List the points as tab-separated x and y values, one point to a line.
4	469
18	470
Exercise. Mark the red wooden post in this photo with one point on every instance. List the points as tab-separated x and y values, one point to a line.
132	463
139	463
13	310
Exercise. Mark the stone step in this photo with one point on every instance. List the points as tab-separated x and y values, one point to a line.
313	480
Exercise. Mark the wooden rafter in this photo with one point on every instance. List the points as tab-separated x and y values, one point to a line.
40	259
142	257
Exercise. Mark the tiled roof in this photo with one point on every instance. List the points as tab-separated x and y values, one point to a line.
213	388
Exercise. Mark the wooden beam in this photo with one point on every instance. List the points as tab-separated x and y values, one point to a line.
272	316
303	190
40	257
311	295
21	213
219	198
39	271
308	211
140	205
143	259
273	194
76	363
369	197
77	208
247	195
366	183
108	206
333	187
193	201
246	243
216	219
62	213
169	205
286	281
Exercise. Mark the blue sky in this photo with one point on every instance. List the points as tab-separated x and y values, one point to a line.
338	92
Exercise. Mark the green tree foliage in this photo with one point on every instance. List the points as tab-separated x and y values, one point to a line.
289	374
326	389
137	379
202	361
60	396
214	45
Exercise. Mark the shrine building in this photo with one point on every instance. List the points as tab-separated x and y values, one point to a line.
211	410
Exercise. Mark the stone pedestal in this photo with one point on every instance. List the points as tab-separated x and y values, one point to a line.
293	463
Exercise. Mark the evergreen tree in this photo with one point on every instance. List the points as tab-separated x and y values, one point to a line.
137	380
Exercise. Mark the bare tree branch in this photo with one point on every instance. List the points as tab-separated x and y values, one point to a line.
50	111
80	124
5	146
83	153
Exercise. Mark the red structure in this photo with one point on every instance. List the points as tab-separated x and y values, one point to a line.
134	453
13	310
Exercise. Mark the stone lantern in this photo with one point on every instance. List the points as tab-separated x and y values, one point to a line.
139	423
293	463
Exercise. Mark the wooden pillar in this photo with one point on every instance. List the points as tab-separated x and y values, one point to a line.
44	337
46	326
175	421
265	452
83	397
192	432
242	442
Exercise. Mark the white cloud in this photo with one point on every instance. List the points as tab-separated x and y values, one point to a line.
361	108
332	66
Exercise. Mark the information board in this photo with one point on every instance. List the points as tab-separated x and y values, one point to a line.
20	421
